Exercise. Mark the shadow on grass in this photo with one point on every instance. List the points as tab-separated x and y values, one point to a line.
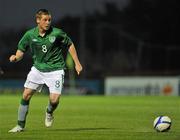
81	129
76	129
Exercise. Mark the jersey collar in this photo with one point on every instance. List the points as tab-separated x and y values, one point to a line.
47	32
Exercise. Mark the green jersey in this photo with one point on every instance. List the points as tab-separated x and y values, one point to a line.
48	51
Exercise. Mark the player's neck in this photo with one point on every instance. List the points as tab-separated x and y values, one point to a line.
42	32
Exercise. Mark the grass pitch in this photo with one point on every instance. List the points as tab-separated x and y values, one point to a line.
92	118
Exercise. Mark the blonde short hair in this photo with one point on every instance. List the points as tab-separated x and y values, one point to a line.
41	12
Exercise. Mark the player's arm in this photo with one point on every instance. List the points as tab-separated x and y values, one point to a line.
18	56
73	53
22	47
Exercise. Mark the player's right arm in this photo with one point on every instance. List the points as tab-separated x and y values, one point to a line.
18	56
22	47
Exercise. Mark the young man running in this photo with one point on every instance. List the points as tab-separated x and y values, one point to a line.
48	46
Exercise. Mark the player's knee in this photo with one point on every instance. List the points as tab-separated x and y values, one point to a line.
54	102
27	94
54	98
26	97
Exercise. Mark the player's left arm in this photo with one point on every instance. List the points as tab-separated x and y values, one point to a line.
72	51
17	57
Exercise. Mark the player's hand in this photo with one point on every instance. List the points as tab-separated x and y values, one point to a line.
78	68
12	58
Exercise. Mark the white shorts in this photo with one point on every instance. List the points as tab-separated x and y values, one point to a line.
54	80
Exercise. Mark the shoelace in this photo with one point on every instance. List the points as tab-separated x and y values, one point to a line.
49	117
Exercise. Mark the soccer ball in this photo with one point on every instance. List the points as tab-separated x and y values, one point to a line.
162	123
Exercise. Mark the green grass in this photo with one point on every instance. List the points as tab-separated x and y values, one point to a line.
93	118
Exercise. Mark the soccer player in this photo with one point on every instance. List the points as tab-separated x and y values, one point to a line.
48	46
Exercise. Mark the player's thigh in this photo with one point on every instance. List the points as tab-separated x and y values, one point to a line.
28	93
54	98
35	76
55	81
34	80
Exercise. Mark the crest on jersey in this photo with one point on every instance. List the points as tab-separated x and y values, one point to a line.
52	39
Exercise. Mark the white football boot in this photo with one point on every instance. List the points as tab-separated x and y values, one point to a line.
49	120
16	129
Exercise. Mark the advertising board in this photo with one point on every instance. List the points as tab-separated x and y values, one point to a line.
141	86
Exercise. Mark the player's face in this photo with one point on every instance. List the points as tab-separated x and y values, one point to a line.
44	22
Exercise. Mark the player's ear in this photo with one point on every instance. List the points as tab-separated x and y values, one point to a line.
37	20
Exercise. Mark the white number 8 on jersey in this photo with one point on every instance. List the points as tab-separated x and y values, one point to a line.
44	48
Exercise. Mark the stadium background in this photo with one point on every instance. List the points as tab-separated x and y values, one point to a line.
126	47
113	38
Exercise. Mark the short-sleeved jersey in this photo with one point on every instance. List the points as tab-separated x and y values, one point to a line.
47	51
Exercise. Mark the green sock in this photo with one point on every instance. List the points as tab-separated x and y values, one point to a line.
51	107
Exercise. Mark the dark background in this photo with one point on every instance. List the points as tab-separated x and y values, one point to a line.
112	37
